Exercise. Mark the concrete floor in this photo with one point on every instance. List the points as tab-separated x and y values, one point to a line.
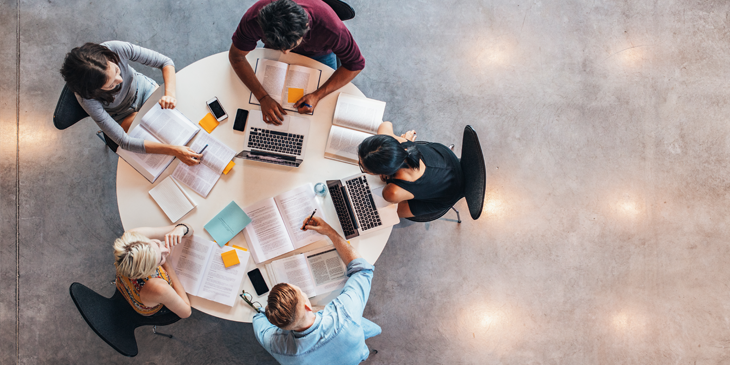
604	128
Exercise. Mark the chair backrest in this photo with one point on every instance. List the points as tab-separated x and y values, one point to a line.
113	319
68	110
343	11
474	172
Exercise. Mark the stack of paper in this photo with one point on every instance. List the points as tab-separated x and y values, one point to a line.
172	199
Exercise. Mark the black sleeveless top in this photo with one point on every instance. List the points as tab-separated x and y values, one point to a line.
441	184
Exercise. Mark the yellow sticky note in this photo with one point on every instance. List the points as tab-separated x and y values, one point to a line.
228	167
208	123
295	94
239	247
230	258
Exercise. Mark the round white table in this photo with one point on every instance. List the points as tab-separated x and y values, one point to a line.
248	181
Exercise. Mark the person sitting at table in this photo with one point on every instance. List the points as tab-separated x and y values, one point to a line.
293	333
144	276
307	27
423	178
112	92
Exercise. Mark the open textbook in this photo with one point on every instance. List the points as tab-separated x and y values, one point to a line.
172	199
167	126
285	83
316	272
199	265
203	176
355	119
276	223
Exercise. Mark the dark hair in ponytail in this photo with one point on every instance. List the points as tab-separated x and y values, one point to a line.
84	70
384	155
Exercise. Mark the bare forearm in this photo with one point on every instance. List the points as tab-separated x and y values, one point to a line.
158	233
168	75
176	284
245	72
159	148
339	78
344	249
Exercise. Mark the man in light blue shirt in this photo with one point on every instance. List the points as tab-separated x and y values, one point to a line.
294	334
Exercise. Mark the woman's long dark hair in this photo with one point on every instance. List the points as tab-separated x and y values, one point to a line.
384	155
84	70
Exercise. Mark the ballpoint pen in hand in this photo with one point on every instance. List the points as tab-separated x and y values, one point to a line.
201	151
308	219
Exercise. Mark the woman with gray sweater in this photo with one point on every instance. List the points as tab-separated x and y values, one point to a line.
112	92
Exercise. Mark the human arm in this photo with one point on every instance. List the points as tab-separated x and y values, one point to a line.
169	101
173	296
184	153
346	252
172	234
263	330
339	78
272	111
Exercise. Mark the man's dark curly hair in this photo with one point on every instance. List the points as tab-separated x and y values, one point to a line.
284	22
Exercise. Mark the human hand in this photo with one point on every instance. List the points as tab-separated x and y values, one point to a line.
271	110
168	102
410	135
318	225
187	155
311	100
174	237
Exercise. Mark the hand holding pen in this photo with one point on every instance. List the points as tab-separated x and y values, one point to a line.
201	153
308	220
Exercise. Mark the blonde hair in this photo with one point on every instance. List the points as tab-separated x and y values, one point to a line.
133	256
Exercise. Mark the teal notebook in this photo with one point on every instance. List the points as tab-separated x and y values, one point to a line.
226	224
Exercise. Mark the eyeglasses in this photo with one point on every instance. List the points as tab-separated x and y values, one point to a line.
360	166
249	300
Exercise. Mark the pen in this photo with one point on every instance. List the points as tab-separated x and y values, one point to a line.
307	105
201	152
307	221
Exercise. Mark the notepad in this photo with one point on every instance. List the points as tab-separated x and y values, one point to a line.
209	123
228	168
230	258
172	199
226	224
295	94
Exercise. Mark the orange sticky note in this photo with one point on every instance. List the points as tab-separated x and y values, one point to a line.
295	94
239	247
228	167
209	123
230	258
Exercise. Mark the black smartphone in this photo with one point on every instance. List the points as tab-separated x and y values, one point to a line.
258	281
241	117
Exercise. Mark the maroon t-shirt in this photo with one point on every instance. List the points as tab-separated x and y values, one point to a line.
327	34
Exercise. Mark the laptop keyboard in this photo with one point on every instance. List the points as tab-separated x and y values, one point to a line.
342	213
362	201
274	141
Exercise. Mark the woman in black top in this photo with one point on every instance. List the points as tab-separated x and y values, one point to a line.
423	178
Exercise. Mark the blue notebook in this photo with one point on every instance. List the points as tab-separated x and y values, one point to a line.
226	224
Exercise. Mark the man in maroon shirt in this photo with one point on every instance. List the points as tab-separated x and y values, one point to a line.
307	27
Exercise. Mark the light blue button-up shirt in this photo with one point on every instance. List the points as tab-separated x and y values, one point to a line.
337	335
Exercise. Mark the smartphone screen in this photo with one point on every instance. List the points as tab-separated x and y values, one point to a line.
240	123
217	109
258	281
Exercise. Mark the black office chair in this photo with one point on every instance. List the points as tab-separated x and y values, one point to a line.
343	11
114	320
69	112
474	174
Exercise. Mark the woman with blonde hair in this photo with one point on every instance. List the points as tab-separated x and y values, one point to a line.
144	276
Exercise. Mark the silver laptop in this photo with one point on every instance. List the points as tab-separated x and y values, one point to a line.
361	209
283	144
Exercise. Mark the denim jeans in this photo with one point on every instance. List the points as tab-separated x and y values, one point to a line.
329	59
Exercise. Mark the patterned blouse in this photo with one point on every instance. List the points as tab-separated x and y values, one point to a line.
130	289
